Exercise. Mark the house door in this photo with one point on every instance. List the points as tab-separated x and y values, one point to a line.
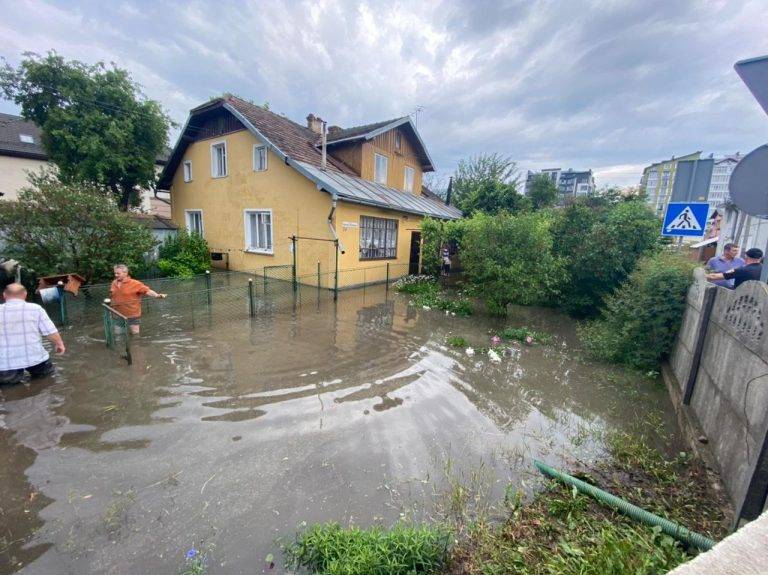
413	262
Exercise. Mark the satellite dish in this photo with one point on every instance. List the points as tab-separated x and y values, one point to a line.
749	183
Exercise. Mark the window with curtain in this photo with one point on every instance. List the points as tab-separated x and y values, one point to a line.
195	222
219	160
378	238
258	230
408	183
259	158
187	171
380	169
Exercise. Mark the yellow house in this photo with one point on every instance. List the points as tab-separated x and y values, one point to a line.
265	191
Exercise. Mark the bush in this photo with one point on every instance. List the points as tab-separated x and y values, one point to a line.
434	235
601	245
640	321
74	227
332	550
184	255
426	292
509	259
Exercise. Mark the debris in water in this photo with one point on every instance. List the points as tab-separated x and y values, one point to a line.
469	351
496	340
493	356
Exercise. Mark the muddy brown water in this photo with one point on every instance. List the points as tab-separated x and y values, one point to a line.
229	436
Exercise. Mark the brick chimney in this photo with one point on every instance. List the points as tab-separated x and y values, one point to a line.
315	123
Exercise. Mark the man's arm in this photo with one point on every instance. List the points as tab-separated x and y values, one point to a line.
55	338
153	293
715	277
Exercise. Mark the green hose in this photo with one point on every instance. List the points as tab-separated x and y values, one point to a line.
670	528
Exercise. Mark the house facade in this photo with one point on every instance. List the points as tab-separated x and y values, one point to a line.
568	182
256	184
658	180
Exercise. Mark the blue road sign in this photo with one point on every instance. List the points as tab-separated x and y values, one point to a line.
685	219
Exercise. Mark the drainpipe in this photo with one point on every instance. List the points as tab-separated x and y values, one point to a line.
330	223
325	153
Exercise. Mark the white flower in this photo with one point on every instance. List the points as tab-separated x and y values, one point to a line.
426	307
493	356
469	351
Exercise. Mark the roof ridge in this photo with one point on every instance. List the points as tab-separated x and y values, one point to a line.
231	97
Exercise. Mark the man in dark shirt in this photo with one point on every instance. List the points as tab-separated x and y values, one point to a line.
751	271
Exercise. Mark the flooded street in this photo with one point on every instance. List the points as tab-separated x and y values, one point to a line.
229	436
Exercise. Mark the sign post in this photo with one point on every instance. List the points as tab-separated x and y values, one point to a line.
685	219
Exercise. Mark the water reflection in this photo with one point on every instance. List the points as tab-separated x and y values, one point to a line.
307	412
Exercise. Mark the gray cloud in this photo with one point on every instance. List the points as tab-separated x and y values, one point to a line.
610	85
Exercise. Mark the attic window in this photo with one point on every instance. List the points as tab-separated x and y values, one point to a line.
27	139
398	140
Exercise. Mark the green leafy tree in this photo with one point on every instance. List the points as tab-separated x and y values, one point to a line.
488	184
184	255
97	126
601	245
434	235
543	192
509	259
641	319
62	227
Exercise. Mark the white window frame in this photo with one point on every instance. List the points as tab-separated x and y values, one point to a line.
376	155
186	221
187	167
214	147
406	170
26	138
266	155
248	239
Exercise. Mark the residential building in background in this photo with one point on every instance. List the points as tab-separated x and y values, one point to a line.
721	176
568	182
658	180
257	185
22	152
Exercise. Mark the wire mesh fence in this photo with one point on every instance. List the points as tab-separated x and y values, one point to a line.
205	300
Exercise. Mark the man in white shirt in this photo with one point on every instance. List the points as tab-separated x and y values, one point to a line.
22	326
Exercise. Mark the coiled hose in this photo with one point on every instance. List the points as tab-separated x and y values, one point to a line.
669	527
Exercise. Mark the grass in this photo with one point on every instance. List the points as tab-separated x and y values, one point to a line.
564	532
457	341
330	549
426	292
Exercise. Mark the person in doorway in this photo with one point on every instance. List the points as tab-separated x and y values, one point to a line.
725	262
22	328
751	271
126	293
446	267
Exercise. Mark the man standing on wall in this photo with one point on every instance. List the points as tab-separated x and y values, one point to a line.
727	261
125	293
751	271
22	326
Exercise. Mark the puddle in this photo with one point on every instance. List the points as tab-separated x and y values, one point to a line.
230	436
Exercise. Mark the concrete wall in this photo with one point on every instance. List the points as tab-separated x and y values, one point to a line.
729	393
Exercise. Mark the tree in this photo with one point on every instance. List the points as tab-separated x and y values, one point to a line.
543	192
63	227
488	184
97	126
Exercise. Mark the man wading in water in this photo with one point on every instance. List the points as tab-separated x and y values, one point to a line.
125	293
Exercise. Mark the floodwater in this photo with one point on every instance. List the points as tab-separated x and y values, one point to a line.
229	436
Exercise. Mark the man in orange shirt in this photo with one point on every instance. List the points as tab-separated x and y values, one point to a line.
125	293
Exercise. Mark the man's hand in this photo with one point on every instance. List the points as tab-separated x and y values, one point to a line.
58	343
162	295
60	349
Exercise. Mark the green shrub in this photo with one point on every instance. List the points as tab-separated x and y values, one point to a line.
426	292
640	321
509	259
601	245
521	333
435	234
332	550
184	255
457	341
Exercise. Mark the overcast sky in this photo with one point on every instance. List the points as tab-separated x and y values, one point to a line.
609	85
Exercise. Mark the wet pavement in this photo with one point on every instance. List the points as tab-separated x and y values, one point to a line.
229	436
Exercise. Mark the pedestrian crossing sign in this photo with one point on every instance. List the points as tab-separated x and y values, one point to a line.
685	219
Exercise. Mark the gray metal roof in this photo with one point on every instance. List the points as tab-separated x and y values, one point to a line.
359	191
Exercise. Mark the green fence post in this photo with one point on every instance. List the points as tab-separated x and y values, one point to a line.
108	330
293	244
208	287
62	303
264	271
318	276
128	356
387	284
251	310
336	273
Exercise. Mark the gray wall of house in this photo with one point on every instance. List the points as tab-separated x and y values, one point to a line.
727	380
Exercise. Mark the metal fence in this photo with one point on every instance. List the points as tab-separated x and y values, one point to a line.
211	298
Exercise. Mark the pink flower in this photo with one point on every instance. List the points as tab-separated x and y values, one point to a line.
528	339
496	340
